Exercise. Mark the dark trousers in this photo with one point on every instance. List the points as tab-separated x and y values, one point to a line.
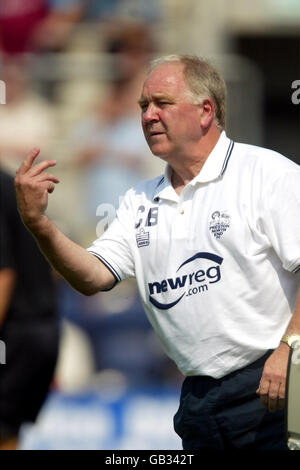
226	413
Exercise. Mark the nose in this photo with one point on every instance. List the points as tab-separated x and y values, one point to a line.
150	114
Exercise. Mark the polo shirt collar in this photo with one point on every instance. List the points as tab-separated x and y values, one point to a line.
213	168
164	188
216	162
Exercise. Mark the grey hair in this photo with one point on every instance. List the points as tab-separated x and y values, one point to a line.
202	80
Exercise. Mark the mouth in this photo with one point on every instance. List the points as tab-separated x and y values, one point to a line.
155	133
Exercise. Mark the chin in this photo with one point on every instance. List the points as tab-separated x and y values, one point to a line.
159	152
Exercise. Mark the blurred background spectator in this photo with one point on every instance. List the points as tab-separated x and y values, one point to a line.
108	144
46	25
36	25
26	119
73	92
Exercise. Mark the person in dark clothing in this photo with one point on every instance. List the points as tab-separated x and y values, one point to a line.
29	328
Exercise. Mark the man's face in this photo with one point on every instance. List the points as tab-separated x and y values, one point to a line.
171	124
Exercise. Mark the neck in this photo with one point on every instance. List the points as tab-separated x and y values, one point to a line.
185	168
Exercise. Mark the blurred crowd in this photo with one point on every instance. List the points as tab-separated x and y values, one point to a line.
42	26
87	118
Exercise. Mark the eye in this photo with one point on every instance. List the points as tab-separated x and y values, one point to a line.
143	106
164	104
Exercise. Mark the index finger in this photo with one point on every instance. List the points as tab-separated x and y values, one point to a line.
27	163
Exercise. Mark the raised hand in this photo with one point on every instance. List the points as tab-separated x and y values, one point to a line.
32	185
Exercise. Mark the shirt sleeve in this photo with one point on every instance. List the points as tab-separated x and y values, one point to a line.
114	247
282	219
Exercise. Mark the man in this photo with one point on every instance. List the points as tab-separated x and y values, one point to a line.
214	246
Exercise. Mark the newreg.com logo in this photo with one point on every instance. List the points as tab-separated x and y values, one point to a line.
195	282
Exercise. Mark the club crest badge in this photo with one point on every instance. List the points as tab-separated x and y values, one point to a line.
142	238
220	222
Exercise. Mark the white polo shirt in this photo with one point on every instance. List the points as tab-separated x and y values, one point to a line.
217	266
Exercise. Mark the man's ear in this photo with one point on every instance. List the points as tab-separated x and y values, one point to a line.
207	112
